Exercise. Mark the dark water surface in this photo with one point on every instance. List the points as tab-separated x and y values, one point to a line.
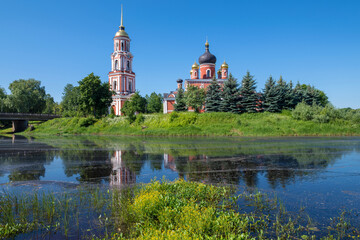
321	174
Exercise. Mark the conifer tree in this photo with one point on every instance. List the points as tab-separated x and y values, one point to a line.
213	97
180	105
271	96
249	97
230	96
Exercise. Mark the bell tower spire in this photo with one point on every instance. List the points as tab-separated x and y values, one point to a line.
121	23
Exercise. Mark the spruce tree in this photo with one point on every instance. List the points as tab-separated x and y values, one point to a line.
230	96
249	97
213	97
271	96
180	105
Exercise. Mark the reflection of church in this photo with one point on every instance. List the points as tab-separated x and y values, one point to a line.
120	174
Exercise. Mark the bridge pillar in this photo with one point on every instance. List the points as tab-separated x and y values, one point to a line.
19	125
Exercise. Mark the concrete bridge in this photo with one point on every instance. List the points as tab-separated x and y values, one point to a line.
20	121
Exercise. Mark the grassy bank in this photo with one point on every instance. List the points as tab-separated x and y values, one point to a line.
205	124
167	210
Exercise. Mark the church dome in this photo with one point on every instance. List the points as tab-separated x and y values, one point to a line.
121	32
224	65
195	66
207	57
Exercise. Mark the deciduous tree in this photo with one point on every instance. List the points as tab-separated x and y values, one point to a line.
27	96
195	98
154	103
95	97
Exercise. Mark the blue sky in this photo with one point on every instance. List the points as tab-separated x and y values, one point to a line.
60	42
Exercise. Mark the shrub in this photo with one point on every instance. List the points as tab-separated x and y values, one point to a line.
86	122
139	119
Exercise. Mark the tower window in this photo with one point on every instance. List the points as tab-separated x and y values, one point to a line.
117	46
130	86
116	64
128	65
114	85
208	73
195	73
122	46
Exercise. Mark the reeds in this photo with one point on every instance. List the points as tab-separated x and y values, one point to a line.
174	210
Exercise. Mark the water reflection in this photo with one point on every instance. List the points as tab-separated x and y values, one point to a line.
119	161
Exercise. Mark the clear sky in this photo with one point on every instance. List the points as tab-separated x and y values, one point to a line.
60	42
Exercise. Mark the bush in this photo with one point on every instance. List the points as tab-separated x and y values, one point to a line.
303	112
86	122
139	119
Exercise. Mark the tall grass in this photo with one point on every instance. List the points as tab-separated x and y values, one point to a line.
161	210
209	124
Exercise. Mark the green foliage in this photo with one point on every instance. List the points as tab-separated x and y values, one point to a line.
230	96
195	98
180	104
27	96
95	97
86	122
139	119
136	104
154	103
271	96
213	96
249	98
71	101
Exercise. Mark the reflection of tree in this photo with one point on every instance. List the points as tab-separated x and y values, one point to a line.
26	163
91	166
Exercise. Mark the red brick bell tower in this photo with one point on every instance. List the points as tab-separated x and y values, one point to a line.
121	76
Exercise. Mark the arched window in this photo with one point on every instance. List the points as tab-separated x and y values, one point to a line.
116	64
130	85
208	73
128	65
117	46
122	46
114	86
128	46
195	73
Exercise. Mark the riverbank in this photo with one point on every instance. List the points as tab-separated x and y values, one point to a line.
192	124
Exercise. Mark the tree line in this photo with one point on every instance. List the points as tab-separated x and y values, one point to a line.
235	98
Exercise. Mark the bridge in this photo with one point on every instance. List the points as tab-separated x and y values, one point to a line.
20	121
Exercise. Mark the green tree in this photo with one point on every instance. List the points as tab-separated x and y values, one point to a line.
213	96
95	97
249	97
154	103
70	100
136	104
195	98
180	104
230	96
2	100
27	96
271	96
51	106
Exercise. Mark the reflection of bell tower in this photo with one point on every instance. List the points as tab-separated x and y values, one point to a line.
121	76
120	174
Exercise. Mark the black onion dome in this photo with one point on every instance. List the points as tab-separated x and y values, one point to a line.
207	57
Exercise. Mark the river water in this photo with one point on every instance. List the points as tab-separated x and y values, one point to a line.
321	174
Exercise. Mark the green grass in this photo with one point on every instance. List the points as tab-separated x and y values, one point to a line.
161	210
205	124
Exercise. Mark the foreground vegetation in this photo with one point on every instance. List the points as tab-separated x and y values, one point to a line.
167	210
303	121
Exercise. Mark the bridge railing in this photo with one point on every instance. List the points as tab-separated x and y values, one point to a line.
27	116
